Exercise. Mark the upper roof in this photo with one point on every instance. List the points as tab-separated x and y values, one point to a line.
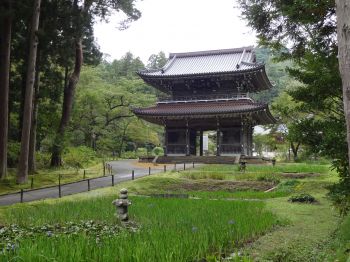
208	63
216	61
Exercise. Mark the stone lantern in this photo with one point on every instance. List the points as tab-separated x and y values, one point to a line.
122	205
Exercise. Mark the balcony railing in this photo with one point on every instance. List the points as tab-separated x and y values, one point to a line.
211	97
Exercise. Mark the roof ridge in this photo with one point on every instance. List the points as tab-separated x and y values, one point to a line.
212	52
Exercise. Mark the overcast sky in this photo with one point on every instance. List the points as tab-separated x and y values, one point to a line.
176	26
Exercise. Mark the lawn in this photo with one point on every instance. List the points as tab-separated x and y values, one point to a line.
49	177
227	212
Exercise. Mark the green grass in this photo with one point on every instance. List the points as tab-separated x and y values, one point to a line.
304	239
171	230
339	247
48	177
237	195
255	172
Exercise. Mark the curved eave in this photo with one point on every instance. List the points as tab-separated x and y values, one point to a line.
261	115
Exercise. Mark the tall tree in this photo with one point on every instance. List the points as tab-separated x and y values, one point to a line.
343	29
5	48
22	175
82	17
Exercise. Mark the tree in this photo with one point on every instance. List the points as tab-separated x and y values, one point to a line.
82	17
5	48
22	175
343	34
157	61
289	116
343	29
308	28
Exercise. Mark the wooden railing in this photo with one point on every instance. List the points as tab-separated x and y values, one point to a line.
180	99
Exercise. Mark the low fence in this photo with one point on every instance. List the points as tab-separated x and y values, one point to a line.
86	184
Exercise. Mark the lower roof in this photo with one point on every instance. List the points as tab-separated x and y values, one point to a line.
222	108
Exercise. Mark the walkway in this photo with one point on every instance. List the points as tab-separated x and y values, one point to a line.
122	170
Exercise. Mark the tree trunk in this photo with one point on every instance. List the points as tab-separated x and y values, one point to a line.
69	91
32	144
295	150
22	175
5	48
343	29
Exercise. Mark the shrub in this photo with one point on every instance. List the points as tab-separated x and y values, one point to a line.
129	155
268	178
78	157
13	150
157	151
141	151
302	198
42	159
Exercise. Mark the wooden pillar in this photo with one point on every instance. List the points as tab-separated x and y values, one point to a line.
218	138
165	141
201	142
250	136
244	139
187	140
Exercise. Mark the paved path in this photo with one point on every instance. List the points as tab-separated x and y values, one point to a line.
122	172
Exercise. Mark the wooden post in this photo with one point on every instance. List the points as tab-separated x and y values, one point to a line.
84	176
201	143
104	168
112	180
192	164
88	181
133	175
32	183
164	168
59	186
187	141
165	140
184	166
175	166
149	170
21	195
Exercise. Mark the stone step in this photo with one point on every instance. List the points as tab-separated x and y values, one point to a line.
198	159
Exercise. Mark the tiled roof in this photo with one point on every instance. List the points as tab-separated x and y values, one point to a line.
204	62
201	108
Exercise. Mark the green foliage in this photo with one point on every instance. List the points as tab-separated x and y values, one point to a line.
308	28
268	178
141	152
302	198
13	150
79	157
102	117
158	151
42	159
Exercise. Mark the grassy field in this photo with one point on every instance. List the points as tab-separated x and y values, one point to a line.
49	177
227	212
171	230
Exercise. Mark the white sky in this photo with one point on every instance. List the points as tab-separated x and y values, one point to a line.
176	26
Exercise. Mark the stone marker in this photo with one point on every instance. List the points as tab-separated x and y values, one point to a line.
122	205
